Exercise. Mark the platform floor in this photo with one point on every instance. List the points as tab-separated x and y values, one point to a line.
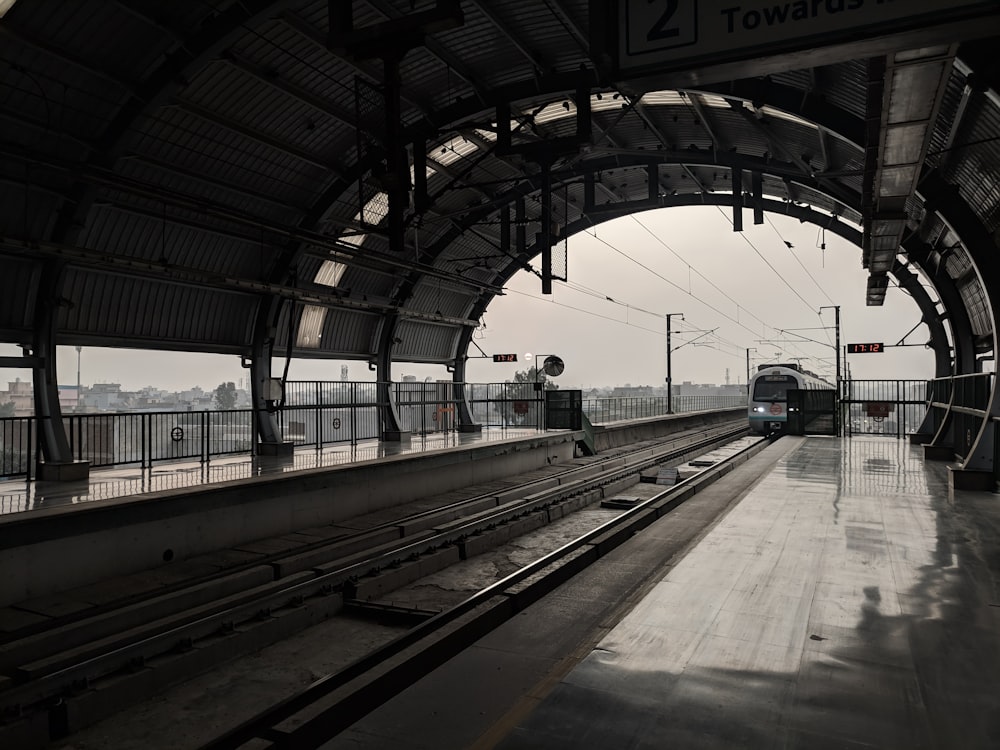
18	495
844	600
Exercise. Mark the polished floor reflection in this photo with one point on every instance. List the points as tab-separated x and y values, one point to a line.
845	602
17	496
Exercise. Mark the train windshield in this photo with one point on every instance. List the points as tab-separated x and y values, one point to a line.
772	388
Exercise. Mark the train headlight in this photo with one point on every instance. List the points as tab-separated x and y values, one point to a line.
759	409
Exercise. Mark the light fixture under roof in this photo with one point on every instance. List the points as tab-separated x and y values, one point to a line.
6	5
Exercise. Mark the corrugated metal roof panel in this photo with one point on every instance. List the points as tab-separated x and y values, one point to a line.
148	310
975	302
975	169
17	290
424	342
101	33
26	213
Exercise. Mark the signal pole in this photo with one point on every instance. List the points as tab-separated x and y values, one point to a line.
750	349
670	387
836	311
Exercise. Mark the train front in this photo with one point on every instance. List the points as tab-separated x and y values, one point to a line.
768	400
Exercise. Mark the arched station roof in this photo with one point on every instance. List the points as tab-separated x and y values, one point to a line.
175	174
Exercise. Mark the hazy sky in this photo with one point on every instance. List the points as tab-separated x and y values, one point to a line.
679	260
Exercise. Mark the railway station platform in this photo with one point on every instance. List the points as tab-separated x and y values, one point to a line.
56	535
845	598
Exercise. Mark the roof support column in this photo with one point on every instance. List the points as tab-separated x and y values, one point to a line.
392	431
265	393
57	456
466	422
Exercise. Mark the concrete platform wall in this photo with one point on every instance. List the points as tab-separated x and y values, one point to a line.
47	551
618	434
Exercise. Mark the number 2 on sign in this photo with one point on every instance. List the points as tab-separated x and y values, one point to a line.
660	29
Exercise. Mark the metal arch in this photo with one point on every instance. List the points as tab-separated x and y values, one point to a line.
638	158
947	202
802	213
930	317
826	116
964	358
821	114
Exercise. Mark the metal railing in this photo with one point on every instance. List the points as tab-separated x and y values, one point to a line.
883	407
17	440
313	413
506	405
958	407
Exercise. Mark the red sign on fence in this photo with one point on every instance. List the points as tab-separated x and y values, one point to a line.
878	409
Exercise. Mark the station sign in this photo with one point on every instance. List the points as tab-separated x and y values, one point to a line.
872	348
505	358
662	35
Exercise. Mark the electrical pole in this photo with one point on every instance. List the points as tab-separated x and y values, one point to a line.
670	387
78	395
839	416
749	349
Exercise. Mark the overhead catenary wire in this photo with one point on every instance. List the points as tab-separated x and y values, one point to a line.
678	287
798	260
784	281
684	291
598	295
737	350
691	268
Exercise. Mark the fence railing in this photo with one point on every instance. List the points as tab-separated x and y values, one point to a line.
313	413
883	407
959	406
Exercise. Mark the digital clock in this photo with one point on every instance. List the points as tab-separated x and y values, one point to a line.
866	348
505	358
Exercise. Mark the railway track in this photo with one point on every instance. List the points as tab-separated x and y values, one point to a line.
83	667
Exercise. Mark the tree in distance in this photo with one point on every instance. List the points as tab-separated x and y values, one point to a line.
225	396
532	375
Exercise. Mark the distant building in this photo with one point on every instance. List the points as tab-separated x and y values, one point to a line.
69	398
102	397
21	394
632	391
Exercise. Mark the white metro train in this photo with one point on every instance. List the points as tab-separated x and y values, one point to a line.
767	402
